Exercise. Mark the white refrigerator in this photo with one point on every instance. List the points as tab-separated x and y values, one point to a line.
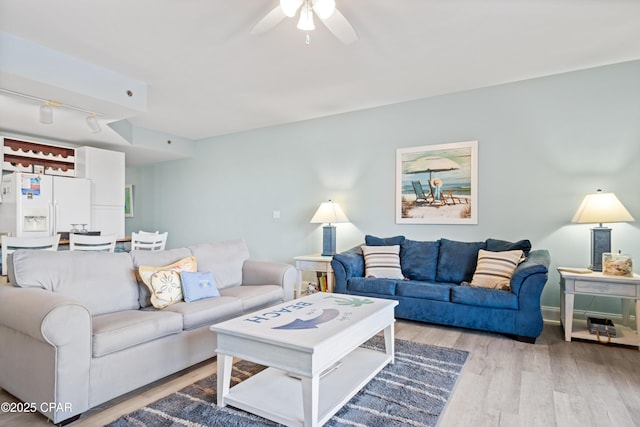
36	205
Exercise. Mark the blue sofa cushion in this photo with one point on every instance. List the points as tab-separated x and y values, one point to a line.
484	297
383	241
457	260
495	245
372	285
419	260
425	290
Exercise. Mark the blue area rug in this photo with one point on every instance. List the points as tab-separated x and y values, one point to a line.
412	392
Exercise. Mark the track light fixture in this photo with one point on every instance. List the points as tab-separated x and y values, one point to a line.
47	106
46	113
93	124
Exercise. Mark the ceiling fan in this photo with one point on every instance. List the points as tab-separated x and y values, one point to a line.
323	9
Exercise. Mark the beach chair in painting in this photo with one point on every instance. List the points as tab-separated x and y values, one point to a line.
425	197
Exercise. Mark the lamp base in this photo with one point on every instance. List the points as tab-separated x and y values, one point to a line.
600	243
328	240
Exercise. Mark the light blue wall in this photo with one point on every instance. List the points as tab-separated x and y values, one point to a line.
543	144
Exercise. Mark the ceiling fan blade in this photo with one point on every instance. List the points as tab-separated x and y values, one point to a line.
270	20
340	27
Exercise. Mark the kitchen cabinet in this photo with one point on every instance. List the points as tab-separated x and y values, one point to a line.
106	170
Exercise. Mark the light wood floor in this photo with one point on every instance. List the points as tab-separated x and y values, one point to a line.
504	383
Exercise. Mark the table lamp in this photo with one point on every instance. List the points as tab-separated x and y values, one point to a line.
598	208
328	213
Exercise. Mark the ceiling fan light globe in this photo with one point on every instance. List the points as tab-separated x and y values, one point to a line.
324	8
290	7
306	20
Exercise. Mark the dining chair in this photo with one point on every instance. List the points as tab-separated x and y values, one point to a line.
148	232
12	244
148	241
84	242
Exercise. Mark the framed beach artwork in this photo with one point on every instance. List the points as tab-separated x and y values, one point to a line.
128	201
437	184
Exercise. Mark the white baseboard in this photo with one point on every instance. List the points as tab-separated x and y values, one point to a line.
551	314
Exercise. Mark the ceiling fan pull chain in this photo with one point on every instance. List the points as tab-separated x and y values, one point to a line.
308	39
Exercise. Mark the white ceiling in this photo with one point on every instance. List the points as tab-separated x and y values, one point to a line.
207	76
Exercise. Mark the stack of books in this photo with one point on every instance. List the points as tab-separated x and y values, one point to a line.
322	282
604	327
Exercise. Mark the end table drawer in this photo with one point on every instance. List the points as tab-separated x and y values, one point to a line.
612	289
313	265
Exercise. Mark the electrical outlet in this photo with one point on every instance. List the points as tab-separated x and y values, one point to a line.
276	214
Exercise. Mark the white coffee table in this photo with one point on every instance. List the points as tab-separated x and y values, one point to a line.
311	346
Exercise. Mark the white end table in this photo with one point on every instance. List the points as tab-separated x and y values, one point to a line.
598	284
317	263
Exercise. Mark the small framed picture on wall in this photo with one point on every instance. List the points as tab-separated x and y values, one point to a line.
128	200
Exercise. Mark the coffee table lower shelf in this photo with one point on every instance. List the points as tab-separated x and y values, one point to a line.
275	395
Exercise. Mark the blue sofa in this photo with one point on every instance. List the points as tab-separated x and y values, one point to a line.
433	288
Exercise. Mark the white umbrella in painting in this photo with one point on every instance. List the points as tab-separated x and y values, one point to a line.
429	164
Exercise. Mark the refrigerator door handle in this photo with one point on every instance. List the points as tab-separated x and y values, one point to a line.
53	209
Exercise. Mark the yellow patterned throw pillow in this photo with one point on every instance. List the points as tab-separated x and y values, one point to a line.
494	269
164	282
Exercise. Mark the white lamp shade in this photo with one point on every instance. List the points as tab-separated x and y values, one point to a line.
601	207
329	212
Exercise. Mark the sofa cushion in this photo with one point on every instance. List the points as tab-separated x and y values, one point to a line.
383	241
382	262
496	245
457	260
425	290
372	286
198	285
490	298
255	297
156	259
419	260
117	331
164	283
494	269
224	259
206	311
101	281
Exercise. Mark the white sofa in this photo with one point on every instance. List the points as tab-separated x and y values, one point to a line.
77	329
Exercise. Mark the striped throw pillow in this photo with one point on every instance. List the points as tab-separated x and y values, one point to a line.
494	269
382	262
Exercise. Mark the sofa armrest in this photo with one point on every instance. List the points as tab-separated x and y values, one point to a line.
43	315
537	262
46	350
345	266
270	273
527	283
